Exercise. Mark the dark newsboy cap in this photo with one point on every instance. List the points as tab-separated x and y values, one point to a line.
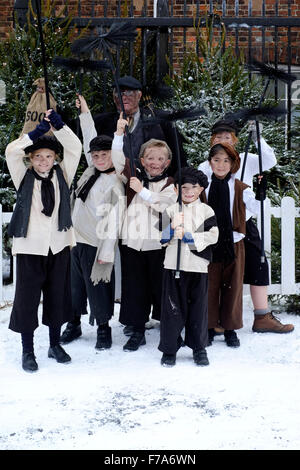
130	83
101	142
44	142
224	126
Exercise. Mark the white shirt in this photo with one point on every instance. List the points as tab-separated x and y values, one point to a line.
195	215
140	226
43	233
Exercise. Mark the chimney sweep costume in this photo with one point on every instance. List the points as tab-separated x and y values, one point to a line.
42	232
96	217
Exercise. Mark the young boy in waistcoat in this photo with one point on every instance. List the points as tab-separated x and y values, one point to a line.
229	198
184	299
256	273
42	232
148	194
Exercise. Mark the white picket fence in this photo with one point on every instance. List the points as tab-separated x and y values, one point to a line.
287	212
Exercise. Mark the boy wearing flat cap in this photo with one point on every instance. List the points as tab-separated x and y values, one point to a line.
256	273
96	214
184	299
41	227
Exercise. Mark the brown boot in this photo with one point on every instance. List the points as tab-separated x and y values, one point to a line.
269	324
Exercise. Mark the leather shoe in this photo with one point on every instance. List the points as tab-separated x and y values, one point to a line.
200	357
231	339
71	332
29	363
58	353
136	340
268	323
104	338
168	360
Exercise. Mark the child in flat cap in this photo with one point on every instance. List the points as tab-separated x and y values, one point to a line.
184	299
229	198
42	232
256	272
96	215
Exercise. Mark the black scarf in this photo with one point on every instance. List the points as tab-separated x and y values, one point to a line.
47	192
219	200
83	193
19	222
146	180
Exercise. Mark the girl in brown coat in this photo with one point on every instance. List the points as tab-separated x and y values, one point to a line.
229	199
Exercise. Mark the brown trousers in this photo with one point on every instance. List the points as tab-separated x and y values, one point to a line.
225	292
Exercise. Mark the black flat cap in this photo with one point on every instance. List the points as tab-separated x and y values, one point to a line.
101	142
130	83
44	142
224	126
191	175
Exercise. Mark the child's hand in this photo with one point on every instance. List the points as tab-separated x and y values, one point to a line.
81	104
55	119
99	261
135	184
121	124
179	232
178	219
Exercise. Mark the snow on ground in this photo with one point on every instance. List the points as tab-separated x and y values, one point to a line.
247	398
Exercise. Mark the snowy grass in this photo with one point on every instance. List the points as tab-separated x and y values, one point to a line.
247	398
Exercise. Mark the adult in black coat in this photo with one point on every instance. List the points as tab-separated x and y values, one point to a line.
106	123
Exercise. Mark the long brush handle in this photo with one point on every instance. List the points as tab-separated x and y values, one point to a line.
43	49
250	133
177	151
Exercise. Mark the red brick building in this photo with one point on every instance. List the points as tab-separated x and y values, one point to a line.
263	39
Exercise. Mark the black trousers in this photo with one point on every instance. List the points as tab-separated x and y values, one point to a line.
100	296
184	304
256	273
36	274
141	273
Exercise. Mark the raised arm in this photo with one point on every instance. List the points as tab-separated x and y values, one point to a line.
72	147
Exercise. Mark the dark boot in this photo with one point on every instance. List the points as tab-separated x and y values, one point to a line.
29	363
71	332
168	360
200	357
231	339
211	335
136	340
268	323
103	337
58	353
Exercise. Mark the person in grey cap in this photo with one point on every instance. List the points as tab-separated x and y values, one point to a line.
106	123
95	218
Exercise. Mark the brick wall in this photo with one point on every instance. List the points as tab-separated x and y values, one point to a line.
6	17
6	23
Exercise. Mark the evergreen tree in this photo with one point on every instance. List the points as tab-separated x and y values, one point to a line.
217	80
